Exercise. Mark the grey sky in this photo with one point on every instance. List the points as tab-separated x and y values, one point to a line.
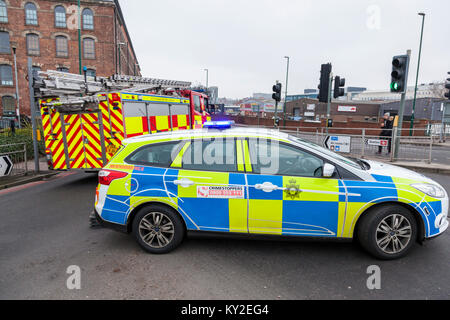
243	43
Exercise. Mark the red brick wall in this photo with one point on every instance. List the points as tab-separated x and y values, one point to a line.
103	33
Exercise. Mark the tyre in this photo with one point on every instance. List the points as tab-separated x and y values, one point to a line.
158	229
388	232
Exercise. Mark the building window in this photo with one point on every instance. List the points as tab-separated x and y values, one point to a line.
4	42
33	44
3	12
60	17
9	106
6	77
88	19
62	69
91	73
31	14
62	46
89	48
35	70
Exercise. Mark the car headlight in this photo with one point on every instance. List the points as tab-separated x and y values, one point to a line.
431	190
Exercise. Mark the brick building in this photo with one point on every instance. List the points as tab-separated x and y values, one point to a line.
312	109
47	31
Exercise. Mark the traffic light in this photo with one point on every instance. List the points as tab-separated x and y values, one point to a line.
277	92
399	74
339	85
447	86
324	85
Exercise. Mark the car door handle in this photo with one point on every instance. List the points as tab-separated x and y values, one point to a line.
266	187
185	183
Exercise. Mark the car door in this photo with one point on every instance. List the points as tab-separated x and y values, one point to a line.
287	193
211	185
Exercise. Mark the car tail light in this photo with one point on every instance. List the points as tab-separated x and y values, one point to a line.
105	177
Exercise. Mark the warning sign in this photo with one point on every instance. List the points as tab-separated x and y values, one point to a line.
215	192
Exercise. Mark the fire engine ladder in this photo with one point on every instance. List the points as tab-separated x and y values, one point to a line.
77	92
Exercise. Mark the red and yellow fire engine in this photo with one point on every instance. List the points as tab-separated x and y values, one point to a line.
85	132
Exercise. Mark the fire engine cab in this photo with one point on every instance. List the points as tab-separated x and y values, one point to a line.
85	119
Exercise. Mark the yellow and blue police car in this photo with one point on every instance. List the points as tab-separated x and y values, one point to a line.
256	181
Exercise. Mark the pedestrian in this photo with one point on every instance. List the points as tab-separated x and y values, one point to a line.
386	132
12	125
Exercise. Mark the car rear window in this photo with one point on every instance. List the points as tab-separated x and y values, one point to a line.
160	155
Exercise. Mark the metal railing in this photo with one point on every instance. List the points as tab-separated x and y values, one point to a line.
17	153
422	147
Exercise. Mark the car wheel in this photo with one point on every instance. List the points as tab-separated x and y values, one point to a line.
388	232
158	229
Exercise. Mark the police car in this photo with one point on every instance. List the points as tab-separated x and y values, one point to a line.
256	181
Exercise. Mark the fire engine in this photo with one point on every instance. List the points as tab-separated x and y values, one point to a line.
85	119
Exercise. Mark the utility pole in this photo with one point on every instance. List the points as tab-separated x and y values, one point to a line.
285	92
330	83
79	38
417	74
33	114
17	86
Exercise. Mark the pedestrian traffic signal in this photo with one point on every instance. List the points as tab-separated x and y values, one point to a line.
447	86
324	85
399	74
339	85
277	92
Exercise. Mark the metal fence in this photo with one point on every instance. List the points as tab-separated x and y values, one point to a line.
17	153
417	147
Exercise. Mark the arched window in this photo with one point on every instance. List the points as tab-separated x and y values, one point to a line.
33	44
3	12
9	106
62	46
4	42
88	19
60	17
31	14
89	48
6	77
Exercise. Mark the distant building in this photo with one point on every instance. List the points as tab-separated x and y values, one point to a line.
432	90
47	31
266	96
312	109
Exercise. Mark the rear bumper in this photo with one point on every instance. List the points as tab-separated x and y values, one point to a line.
110	225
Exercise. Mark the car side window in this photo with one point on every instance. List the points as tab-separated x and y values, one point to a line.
274	158
211	155
160	155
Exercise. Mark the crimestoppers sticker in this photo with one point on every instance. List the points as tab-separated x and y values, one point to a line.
235	192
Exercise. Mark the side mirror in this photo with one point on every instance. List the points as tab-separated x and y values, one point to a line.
328	170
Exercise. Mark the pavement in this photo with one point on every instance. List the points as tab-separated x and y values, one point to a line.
31	176
46	229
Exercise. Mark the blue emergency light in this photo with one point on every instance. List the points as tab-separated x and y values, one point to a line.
218	124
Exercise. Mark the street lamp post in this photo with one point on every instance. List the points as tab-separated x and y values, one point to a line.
14	48
285	92
207	76
417	74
